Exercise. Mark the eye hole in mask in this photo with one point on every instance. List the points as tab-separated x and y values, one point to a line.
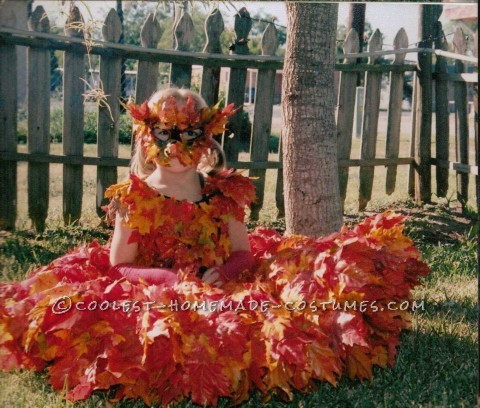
192	134
163	135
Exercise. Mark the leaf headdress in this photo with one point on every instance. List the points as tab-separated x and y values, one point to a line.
166	115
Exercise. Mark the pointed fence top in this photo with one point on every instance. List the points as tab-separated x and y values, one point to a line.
400	41
39	21
184	32
375	44
270	40
74	26
459	43
243	24
151	32
214	27
112	28
440	39
351	45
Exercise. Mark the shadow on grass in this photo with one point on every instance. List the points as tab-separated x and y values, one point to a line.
452	311
428	224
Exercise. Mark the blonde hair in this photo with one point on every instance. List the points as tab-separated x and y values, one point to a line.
208	165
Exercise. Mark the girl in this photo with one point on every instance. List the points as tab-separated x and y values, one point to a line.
183	303
174	153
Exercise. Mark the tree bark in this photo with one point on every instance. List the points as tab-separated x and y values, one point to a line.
312	198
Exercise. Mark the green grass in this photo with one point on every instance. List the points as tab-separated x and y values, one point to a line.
437	359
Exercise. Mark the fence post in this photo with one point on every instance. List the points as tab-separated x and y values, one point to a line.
236	84
147	71
346	110
73	116
461	118
279	197
181	74
211	75
395	112
475	128
412	169
429	14
38	97
441	112
8	126
373	85
109	112
262	117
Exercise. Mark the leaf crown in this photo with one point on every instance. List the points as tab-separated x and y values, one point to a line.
167	115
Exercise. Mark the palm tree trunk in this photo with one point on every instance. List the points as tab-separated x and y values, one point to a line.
310	169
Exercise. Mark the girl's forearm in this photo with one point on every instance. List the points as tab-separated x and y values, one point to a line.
153	276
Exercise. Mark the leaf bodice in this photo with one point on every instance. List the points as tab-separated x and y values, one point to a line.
180	234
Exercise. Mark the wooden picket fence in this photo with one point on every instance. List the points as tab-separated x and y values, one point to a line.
39	42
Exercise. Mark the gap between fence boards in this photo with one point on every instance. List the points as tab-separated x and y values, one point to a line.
114	162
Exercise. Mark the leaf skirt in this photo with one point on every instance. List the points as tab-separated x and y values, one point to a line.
312	310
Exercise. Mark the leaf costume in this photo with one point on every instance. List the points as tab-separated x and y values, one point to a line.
277	331
311	309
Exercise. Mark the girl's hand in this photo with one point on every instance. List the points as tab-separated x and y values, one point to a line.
213	277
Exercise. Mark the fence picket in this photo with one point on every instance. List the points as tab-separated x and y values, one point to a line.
38	99
441	112
395	111
346	110
373	84
214	27
262	117
236	84
73	116
429	15
8	125
461	122
181	74
147	71
109	113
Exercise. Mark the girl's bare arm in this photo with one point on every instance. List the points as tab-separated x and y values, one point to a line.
121	251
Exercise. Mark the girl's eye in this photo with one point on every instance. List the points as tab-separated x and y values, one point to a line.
161	134
192	134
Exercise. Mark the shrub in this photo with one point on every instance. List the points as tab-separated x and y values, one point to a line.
245	131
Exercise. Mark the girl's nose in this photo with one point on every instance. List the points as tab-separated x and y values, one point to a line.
174	136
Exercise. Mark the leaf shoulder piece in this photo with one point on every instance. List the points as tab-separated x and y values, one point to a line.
232	184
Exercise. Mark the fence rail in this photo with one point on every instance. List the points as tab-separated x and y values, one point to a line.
40	41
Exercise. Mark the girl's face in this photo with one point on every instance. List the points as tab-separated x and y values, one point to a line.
177	129
187	146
